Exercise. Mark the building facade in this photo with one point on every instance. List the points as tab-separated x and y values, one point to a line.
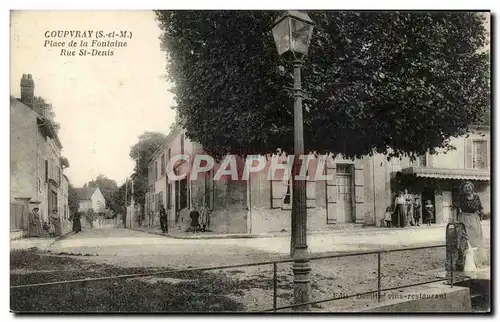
90	198
357	193
36	174
437	177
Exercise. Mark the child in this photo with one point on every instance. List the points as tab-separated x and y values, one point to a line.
387	217
52	230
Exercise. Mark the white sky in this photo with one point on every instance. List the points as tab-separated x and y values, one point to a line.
102	103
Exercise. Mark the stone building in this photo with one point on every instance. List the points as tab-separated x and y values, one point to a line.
36	173
357	194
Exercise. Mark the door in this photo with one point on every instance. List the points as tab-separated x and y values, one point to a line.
446	206
344	193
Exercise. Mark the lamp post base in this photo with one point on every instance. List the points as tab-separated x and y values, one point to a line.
301	278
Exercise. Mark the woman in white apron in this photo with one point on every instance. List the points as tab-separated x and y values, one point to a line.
470	209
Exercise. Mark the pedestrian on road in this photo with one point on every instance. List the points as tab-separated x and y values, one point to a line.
416	211
195	217
205	217
163	219
409	208
52	229
428	212
387	217
400	211
56	221
35	225
77	225
470	211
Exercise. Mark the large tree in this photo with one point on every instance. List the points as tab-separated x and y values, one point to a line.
141	152
375	81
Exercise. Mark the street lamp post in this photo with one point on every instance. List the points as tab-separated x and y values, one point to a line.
292	33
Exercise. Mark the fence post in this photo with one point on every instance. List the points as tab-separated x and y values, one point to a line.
275	285
378	276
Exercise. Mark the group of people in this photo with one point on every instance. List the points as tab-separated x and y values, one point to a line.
200	220
52	227
406	210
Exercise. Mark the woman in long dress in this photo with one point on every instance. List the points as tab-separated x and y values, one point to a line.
470	209
77	225
35	225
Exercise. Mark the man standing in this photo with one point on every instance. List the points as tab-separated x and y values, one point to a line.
163	220
205	219
416	211
409	208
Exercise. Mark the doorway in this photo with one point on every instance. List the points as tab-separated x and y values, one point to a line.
428	194
344	192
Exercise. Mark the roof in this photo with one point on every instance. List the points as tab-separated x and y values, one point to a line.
85	193
456	174
42	121
175	131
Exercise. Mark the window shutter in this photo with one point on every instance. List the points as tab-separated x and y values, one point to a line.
310	191
359	181
277	193
468	154
487	154
331	194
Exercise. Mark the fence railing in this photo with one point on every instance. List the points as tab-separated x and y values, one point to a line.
274	264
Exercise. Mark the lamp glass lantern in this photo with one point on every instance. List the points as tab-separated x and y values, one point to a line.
292	33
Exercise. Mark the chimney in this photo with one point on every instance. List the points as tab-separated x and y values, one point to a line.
27	90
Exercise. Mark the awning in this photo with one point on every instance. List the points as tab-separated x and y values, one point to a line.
454	174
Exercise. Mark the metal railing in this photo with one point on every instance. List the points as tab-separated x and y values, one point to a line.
274	263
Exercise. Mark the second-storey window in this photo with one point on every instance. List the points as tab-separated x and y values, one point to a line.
479	154
162	164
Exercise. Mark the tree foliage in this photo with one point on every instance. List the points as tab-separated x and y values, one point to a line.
141	152
73	203
398	82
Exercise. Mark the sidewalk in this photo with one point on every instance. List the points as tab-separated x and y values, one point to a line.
42	243
343	231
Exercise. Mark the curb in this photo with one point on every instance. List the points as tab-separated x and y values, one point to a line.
374	230
228	236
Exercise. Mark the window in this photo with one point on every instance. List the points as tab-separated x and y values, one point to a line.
344	168
183	193
182	144
479	154
287	200
46	170
156	170
169	196
162	164
422	160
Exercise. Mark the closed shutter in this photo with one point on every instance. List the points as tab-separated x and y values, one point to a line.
468	154
331	193
277	193
310	190
359	181
487	154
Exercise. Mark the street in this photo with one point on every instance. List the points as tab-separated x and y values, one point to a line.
130	248
348	275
